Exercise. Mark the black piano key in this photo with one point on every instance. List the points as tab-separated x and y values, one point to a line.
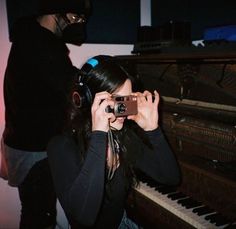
203	210
195	210
151	183
217	219
189	203
221	221
184	201
194	204
211	217
176	196
165	189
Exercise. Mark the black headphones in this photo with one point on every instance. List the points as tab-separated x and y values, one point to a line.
82	96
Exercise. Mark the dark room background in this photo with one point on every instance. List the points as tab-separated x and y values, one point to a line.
200	13
112	21
117	21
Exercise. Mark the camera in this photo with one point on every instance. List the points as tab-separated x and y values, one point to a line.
124	105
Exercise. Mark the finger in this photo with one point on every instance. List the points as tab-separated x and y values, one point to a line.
140	97
99	97
157	98
148	95
112	118
134	93
131	117
146	92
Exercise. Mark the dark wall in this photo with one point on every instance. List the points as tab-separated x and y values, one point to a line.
112	21
200	13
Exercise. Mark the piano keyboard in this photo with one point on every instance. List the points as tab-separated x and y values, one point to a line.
195	214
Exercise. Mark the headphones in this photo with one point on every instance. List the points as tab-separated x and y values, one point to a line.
82	96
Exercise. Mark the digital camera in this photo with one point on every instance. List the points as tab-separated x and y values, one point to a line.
124	105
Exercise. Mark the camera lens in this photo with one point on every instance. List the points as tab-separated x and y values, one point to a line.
121	108
109	109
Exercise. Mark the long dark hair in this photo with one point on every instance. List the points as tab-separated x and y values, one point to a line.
100	73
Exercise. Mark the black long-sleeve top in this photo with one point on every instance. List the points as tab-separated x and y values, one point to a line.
86	196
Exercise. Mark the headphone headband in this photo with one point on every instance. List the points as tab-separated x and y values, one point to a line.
82	96
92	61
95	61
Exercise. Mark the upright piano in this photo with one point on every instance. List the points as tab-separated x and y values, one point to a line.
198	117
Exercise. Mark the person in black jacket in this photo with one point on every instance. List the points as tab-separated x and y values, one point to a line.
94	163
37	78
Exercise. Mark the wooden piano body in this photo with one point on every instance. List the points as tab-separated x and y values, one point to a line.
198	117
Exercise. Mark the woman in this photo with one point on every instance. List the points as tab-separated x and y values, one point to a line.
93	164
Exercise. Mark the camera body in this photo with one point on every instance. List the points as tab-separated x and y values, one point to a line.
124	105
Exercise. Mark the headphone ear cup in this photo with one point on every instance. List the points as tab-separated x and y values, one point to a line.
76	99
82	96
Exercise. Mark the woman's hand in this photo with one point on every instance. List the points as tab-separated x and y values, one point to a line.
100	118
147	117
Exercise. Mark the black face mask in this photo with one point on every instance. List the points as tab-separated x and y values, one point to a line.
74	33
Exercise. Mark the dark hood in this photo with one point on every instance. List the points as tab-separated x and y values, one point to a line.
27	29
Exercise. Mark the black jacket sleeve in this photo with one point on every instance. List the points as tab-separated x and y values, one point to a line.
79	182
158	162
